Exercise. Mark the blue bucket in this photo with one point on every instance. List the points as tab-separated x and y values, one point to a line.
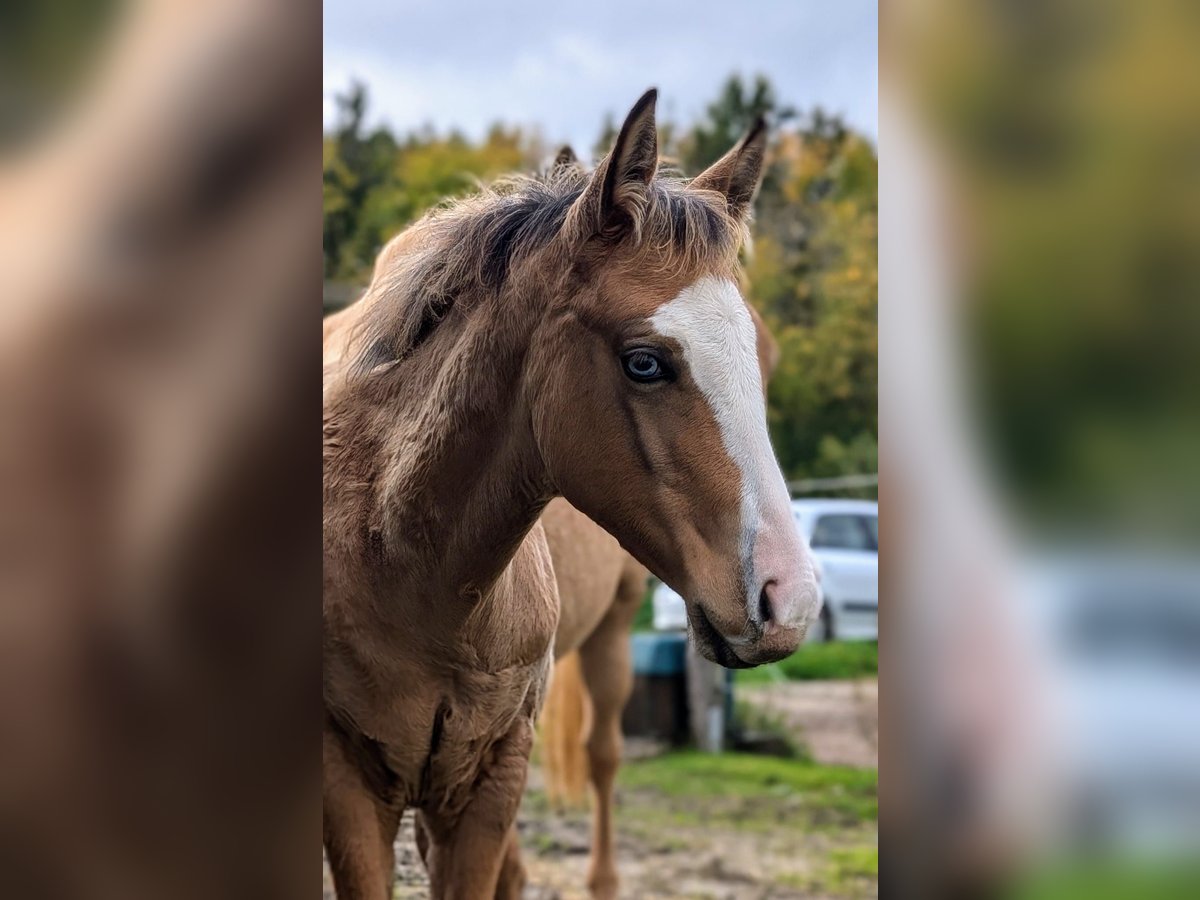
657	653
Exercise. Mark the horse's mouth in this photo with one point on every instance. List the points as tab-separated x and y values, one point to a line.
707	638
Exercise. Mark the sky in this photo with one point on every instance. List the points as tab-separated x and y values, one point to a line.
561	65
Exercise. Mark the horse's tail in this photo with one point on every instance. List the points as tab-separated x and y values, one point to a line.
566	723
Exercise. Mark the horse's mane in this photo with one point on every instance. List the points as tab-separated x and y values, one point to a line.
468	247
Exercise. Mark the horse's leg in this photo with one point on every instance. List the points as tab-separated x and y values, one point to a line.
512	871
608	675
467	853
358	830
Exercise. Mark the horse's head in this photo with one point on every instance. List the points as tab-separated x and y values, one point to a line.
646	379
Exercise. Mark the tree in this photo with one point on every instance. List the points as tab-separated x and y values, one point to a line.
355	164
728	118
374	186
814	277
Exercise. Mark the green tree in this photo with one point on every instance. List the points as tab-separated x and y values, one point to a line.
355	164
814	276
374	185
728	118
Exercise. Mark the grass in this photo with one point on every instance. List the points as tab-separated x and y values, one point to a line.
644	619
850	864
837	659
788	823
847	871
1111	879
850	793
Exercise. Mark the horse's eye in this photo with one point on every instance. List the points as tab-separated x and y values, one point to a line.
643	366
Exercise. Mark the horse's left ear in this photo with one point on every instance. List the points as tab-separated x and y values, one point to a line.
565	158
738	173
616	196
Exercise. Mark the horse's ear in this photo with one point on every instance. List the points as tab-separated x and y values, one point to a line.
566	165
738	173
616	196
565	158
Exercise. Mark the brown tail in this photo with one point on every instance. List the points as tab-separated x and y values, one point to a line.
566	721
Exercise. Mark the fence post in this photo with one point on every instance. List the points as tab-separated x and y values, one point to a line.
707	701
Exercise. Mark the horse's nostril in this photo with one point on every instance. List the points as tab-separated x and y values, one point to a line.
764	603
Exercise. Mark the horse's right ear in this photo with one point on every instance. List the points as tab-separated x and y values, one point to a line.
616	195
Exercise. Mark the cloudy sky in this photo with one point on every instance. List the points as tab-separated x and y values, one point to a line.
562	65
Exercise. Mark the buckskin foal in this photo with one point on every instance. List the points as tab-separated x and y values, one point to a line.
581	335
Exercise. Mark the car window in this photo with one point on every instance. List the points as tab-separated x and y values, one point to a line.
842	532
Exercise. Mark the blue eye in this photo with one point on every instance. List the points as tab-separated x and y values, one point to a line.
643	365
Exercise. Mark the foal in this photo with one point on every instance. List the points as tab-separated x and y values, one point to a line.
581	336
600	588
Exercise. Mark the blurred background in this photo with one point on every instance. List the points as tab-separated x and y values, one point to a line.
763	784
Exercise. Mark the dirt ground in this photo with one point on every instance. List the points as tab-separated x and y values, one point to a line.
744	835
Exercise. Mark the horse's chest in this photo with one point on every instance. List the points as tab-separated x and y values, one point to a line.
454	680
478	714
515	623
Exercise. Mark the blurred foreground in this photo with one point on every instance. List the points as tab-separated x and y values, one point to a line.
1039	395
159	521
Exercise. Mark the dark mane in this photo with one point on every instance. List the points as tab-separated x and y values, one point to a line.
469	247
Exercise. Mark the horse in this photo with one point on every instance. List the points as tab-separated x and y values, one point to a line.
600	588
578	335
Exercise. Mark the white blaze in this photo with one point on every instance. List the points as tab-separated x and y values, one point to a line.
711	322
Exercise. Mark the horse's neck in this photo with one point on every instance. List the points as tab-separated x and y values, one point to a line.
463	481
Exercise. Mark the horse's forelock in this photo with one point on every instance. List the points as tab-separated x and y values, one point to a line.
467	249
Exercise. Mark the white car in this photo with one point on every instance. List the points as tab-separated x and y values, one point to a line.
670	612
844	537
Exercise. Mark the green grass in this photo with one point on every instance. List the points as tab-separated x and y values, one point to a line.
837	659
644	620
1112	879
816	825
850	792
853	863
848	871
